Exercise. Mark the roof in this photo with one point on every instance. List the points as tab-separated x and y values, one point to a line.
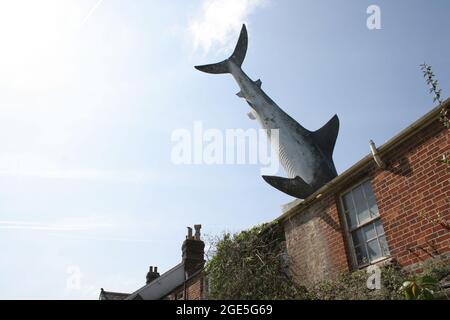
161	286
109	295
299	205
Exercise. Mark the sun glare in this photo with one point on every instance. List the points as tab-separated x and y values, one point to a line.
33	39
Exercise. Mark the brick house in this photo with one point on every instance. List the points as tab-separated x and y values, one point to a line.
392	205
184	281
396	210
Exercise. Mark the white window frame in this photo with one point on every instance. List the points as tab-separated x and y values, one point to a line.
349	230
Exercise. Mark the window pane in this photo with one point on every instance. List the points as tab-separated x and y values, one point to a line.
348	202
361	205
368	190
370	197
369	232
361	255
379	226
358	238
374	249
352	218
373	207
384	246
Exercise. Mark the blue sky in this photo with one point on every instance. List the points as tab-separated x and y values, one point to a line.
90	93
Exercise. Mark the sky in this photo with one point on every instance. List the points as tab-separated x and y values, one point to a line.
92	91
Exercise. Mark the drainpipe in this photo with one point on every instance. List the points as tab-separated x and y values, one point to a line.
376	155
184	286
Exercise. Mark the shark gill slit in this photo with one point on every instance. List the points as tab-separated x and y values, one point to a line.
286	163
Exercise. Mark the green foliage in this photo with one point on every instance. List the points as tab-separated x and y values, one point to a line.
251	265
432	82
445	160
421	288
429	75
353	286
425	285
396	284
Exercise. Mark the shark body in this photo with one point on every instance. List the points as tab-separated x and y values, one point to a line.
306	156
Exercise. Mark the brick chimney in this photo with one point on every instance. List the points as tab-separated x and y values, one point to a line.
193	251
152	274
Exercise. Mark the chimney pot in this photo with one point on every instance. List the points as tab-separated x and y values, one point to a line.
193	251
152	274
197	228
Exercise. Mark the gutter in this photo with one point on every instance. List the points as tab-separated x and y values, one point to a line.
298	205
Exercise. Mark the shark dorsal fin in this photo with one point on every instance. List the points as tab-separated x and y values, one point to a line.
326	136
240	94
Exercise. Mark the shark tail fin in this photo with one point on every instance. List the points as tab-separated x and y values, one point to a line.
237	57
295	187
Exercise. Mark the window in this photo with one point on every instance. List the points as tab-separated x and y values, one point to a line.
364	225
179	295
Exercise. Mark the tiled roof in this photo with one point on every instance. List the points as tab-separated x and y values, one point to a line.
108	295
161	286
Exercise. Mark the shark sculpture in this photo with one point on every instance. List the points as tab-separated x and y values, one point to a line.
306	156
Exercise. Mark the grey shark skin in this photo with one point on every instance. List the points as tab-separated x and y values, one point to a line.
305	156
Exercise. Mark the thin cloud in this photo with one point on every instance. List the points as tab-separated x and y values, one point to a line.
219	22
152	176
90	175
55	225
80	229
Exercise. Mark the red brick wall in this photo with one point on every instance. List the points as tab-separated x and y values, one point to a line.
315	242
195	289
414	182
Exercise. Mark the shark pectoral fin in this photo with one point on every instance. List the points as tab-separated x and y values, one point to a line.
240	94
326	136
258	83
295	187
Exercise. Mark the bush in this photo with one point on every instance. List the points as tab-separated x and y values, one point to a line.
428	284
353	286
251	265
